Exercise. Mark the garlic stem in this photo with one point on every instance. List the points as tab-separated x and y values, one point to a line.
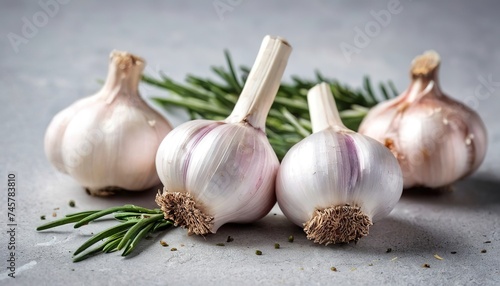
426	65
323	110
424	70
123	77
262	84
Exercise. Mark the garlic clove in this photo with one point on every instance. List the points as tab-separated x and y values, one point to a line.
108	141
436	139
335	182
215	172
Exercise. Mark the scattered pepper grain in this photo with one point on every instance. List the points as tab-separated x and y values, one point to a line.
258	252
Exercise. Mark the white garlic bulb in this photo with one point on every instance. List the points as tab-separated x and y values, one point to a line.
215	172
108	141
436	139
336	182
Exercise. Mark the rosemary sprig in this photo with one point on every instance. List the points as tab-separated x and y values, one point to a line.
288	120
136	223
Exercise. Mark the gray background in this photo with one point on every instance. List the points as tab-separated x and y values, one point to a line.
64	58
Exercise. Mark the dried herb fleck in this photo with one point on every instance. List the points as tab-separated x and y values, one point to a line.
426	265
42	217
389	250
72	203
453	252
163	243
258	252
229	239
220	244
488	241
334	269
290	238
173	249
483	251
276	246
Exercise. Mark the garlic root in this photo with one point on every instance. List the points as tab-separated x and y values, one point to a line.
181	208
338	224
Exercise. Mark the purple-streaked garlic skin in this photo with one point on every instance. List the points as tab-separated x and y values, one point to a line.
329	168
436	139
229	169
336	168
215	172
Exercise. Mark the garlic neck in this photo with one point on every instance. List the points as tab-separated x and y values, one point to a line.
123	78
323	110
262	83
424	75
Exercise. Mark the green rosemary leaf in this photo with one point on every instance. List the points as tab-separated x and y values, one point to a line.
393	89
136	228
384	91
112	245
89	253
81	213
162	225
368	87
67	220
104	234
135	241
294	122
125	208
235	83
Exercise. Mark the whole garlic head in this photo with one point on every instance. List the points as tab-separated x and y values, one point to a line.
215	172
336	182
108	141
436	139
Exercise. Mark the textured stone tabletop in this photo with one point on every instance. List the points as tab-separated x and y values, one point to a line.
53	53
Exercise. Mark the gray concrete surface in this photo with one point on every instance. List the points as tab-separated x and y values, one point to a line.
63	59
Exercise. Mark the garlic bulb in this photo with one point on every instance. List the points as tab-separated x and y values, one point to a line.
436	139
215	172
108	141
336	182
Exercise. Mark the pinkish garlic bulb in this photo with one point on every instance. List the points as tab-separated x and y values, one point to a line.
436	139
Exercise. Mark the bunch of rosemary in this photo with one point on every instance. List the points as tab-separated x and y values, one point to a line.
288	121
135	224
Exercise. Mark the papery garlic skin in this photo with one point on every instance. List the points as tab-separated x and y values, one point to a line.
215	172
228	169
335	180
436	139
108	141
